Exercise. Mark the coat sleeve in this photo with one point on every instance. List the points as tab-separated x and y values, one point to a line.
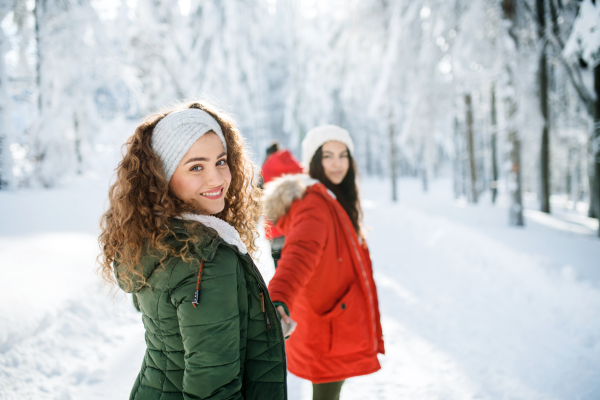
211	331
304	244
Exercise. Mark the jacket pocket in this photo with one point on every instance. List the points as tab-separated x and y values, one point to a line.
348	324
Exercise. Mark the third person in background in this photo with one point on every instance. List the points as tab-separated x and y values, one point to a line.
324	279
279	162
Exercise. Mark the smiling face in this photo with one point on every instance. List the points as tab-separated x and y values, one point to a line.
335	161
202	177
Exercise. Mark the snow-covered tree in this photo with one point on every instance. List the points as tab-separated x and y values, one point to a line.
584	42
5	155
416	83
77	71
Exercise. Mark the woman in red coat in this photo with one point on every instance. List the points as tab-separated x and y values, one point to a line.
324	279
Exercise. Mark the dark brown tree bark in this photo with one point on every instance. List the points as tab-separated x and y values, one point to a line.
471	148
543	84
595	179
494	183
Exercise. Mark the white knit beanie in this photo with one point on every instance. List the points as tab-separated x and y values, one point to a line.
320	135
173	136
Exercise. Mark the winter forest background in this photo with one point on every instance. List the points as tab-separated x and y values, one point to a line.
469	117
499	93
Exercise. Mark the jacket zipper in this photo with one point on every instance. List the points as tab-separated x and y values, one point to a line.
259	279
267	319
262	307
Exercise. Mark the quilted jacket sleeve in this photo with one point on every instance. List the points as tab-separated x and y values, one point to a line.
304	244
210	331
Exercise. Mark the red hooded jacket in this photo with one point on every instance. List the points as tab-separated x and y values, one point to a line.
280	163
325	279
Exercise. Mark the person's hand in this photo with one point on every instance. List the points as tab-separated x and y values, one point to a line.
287	324
286	318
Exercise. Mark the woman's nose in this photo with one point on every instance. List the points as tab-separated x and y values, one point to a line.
214	178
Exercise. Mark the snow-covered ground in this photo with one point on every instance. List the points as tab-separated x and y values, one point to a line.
471	308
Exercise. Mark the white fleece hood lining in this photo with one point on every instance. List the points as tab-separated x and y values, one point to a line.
227	232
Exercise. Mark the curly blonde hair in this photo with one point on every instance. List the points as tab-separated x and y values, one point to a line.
140	202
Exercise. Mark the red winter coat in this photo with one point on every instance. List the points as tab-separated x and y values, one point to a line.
280	163
325	278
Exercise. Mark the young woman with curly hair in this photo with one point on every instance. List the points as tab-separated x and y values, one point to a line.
178	234
324	279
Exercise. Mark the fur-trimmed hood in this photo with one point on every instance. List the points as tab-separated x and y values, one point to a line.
280	193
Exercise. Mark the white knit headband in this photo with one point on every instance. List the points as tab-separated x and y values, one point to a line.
317	137
177	132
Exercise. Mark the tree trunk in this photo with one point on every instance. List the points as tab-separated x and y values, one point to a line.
393	171
569	178
78	153
471	145
573	69
456	164
595	186
369	157
514	176
515	216
579	177
516	209
494	183
424	178
543	82
545	147
38	45
5	155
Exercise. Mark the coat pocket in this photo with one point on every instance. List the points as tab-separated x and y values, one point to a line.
348	324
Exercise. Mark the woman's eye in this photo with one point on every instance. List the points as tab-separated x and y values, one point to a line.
196	168
221	162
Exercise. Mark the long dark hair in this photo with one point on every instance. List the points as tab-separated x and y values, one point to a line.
346	192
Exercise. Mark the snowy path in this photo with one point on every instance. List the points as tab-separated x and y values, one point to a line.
479	319
471	309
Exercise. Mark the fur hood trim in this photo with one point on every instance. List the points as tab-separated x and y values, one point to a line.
280	193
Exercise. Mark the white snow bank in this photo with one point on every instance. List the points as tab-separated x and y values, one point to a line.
59	324
60	330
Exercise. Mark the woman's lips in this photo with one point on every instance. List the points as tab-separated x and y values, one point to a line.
213	194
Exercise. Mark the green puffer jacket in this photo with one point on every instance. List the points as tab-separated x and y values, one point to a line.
228	347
